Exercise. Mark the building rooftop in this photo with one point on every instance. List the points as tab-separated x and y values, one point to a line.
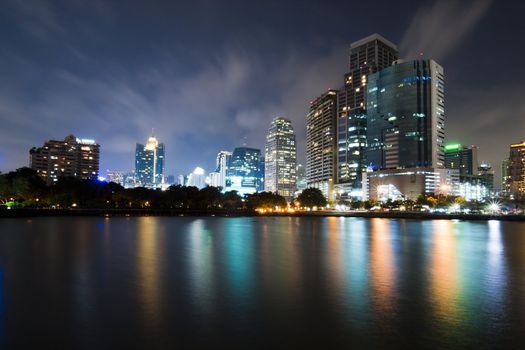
372	37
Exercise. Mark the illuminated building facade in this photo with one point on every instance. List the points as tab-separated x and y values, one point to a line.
409	183
115	176
280	164
406	116
149	163
197	178
321	143
244	173
367	56
516	170
218	177
71	157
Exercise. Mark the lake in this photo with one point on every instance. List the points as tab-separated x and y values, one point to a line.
261	282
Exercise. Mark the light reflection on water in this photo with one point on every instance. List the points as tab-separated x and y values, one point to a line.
149	258
256	281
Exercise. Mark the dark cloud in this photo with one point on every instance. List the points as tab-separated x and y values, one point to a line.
437	29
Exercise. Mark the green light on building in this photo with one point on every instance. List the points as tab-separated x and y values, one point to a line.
452	147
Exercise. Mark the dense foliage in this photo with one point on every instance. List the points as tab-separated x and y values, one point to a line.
25	188
311	197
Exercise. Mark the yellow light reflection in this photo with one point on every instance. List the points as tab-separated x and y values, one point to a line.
381	266
148	269
444	281
335	256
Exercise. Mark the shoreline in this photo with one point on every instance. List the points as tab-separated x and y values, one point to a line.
32	212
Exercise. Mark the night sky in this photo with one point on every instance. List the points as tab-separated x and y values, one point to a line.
210	75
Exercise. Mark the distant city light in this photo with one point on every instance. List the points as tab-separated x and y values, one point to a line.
101	179
198	171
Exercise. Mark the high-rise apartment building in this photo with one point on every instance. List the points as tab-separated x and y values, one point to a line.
406	116
280	159
149	163
71	157
244	171
516	169
367	56
321	143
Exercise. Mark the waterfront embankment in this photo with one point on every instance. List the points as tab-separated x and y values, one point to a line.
32	212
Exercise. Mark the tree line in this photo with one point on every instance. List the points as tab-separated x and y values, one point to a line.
24	188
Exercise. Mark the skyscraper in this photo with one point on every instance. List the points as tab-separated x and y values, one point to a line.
463	158
244	171
280	159
406	116
367	56
223	158
149	163
405	132
516	169
321	143
71	157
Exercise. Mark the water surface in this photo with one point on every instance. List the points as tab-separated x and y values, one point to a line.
161	282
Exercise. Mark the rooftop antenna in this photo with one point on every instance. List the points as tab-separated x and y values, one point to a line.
152	132
244	141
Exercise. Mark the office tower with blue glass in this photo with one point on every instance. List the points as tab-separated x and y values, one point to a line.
405	132
367	56
149	163
244	171
406	116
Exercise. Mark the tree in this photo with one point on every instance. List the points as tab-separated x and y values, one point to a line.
231	200
311	197
209	197
24	184
265	200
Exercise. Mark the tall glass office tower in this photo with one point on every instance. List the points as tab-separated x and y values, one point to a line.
244	171
149	163
280	159
406	116
367	56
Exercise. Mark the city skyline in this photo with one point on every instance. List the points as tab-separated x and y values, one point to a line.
106	94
